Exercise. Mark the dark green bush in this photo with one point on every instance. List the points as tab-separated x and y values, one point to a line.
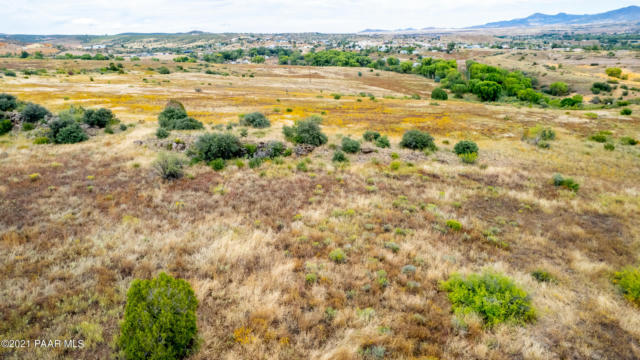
600	137
169	166
256	120
439	94
609	146
350	146
492	296
417	140
339	156
162	133
306	131
569	183
625	111
371	135
176	118
629	282
70	134
33	113
626	140
66	132
5	126
465	147
8	102
98	118
164	70
383	142
217	146
159	319
597	87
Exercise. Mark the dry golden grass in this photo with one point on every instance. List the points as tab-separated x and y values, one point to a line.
97	217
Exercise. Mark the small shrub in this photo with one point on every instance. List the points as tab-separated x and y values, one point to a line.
350	146
609	147
392	246
169	166
371	135
123	127
542	276
162	133
244	132
625	140
175	118
454	225
417	140
569	183
600	137
493	297
8	102
217	146
337	256
439	94
27	126
306	131
5	126
41	140
383	142
159	319
66	132
339	156
98	118
302	166
625	111
217	164
33	113
256	120
465	147
394	165
468	158
164	70
628	280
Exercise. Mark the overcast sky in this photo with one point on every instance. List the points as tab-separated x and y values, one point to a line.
268	16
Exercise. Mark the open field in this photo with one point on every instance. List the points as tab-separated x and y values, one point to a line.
97	217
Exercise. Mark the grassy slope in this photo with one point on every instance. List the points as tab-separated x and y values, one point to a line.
70	251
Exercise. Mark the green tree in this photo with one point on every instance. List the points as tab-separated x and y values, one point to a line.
559	88
159	319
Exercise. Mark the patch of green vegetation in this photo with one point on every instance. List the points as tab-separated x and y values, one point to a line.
569	183
337	256
159	319
628	280
493	297
417	140
306	131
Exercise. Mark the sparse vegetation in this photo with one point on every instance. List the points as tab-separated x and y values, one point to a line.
169	166
628	280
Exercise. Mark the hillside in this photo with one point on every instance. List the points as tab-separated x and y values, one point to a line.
629	14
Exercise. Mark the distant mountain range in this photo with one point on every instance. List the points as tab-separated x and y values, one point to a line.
629	14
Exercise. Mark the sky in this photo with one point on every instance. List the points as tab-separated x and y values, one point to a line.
99	17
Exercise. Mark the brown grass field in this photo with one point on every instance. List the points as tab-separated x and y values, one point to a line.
72	240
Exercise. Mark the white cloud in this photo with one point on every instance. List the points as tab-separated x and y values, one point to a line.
112	16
